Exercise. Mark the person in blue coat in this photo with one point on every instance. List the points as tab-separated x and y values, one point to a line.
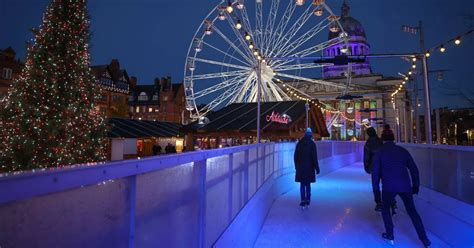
395	167
306	163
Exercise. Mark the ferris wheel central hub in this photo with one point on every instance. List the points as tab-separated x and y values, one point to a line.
267	72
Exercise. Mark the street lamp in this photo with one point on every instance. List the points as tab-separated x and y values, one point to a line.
307	119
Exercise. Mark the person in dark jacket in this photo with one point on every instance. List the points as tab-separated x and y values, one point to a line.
372	145
156	149
306	163
394	166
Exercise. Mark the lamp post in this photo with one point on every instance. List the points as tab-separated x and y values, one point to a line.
259	96
307	119
427	101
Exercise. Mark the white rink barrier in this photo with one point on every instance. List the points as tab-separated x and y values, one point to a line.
446	169
180	200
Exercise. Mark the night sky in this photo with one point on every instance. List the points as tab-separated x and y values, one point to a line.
151	37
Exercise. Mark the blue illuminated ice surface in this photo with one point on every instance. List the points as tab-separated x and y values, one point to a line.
341	215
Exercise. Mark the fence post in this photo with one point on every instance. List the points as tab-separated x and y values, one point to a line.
246	176
200	172
132	201
231	184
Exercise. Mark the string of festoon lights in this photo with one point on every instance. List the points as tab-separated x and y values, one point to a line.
441	48
293	92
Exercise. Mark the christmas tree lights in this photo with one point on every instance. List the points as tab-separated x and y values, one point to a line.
49	118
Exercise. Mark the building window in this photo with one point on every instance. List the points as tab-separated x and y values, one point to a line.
130	98
155	97
116	98
7	73
137	109
143	97
103	97
131	109
150	110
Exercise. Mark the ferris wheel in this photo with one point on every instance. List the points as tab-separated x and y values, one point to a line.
239	42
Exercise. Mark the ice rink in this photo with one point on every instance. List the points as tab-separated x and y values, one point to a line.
341	215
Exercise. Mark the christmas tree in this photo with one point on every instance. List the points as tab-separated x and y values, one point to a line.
49	118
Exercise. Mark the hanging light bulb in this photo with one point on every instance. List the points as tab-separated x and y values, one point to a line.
247	36
413	66
229	8
442	49
427	54
300	2
238	25
251	45
409	73
404	82
344	50
406	78
457	41
255	52
413	59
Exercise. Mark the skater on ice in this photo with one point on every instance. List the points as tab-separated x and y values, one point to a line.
306	164
372	145
392	164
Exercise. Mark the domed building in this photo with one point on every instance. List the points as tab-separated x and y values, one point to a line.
357	46
370	104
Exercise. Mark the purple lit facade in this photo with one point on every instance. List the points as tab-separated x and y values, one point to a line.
357	46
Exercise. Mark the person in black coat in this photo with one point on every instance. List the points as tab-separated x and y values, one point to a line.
306	163
372	145
156	149
395	167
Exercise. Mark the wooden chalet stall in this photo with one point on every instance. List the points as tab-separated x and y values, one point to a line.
236	124
130	138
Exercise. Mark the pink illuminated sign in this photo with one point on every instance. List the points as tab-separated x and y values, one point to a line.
276	117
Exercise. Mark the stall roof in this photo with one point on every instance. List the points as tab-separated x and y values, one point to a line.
131	128
241	116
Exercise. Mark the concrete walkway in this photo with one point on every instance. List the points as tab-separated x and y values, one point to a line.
341	215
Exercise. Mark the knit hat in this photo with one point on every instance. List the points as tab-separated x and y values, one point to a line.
308	130
387	133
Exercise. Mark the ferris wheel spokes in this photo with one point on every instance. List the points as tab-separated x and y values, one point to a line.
282	42
270	25
224	84
220	99
304	38
297	67
213	62
217	75
282	24
247	56
227	54
310	80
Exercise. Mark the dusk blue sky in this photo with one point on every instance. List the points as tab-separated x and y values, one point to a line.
151	37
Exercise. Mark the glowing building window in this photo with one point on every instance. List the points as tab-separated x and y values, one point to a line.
150	110
137	109
7	73
142	97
